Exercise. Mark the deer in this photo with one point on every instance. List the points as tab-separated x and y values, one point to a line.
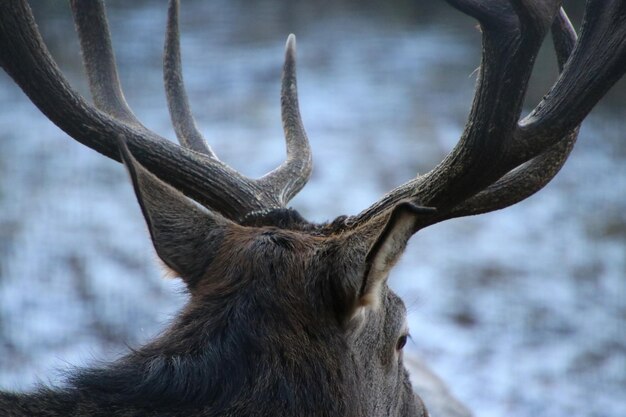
288	317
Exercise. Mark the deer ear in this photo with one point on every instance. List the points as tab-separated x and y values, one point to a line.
387	249
184	234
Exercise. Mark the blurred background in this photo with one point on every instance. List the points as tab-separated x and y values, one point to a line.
522	312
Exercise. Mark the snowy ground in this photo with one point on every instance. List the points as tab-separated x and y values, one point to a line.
522	312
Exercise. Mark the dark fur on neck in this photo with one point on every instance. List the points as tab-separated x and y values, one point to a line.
230	370
252	343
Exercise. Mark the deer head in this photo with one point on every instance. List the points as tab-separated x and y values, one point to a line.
285	314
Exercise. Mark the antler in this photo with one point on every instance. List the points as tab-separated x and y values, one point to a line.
193	168
498	160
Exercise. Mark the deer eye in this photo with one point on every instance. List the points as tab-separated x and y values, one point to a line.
401	342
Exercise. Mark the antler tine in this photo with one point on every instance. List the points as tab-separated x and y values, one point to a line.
283	183
564	38
537	131
527	179
601	51
512	35
24	56
518	184
178	103
289	178
480	157
99	60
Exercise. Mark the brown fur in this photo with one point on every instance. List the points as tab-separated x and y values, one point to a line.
273	325
287	317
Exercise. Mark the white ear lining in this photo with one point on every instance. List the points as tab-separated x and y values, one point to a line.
386	251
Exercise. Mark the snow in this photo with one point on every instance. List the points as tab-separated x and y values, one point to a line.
522	311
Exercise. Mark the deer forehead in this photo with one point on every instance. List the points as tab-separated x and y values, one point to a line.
273	257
